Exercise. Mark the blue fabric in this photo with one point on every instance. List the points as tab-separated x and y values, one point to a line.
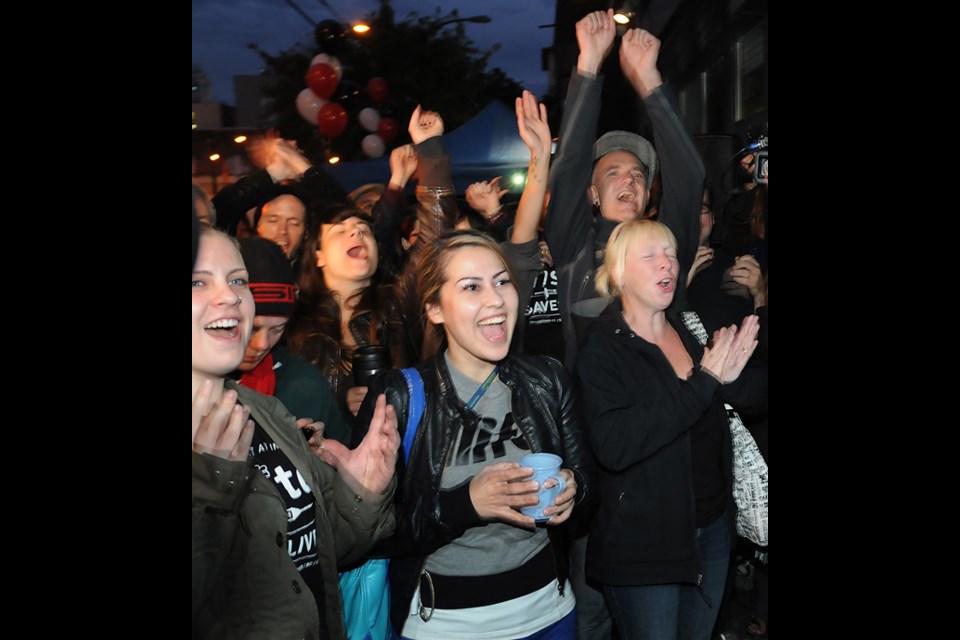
365	590
366	601
563	629
417	404
676	611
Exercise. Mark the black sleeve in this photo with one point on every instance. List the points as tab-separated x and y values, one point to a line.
236	199
681	175
568	213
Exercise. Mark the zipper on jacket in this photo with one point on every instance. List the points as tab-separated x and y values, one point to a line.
586	281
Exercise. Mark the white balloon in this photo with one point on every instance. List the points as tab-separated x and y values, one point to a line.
372	145
308	105
330	60
369	118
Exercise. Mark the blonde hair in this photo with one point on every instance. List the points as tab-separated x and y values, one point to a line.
625	237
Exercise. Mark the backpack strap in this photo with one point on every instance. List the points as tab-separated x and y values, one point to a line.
417	404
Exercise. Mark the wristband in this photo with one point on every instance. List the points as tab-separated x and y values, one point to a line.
496	215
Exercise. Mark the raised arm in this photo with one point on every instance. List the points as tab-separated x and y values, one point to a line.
484	198
681	169
535	133
389	210
280	161
437	211
290	163
568	218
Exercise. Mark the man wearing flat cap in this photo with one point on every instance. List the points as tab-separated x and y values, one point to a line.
595	184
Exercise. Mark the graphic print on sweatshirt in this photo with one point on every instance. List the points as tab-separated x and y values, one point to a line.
297	496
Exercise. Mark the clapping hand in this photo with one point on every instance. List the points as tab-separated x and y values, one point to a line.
730	349
221	428
368	469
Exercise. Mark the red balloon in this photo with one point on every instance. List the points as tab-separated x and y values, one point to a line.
387	129
377	88
322	79
332	119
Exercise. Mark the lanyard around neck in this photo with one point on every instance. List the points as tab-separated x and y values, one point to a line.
483	388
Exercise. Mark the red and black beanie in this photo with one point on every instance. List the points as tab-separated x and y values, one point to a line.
271	277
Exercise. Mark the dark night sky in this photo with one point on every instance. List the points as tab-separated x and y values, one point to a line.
222	29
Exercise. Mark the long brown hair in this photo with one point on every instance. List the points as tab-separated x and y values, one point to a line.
315	328
432	275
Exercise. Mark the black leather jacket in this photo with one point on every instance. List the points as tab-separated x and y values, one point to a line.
547	411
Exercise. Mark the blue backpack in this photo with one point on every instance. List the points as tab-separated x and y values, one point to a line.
365	590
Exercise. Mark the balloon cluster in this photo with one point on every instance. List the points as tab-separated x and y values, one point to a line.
326	100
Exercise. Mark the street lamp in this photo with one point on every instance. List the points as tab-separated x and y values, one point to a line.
213	171
627	13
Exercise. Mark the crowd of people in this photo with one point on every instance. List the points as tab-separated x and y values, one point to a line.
298	468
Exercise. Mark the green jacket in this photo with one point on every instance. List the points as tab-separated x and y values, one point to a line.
244	583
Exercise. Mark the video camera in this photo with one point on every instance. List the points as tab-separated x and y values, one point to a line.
759	147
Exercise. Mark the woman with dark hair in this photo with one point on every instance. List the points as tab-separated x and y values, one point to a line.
342	304
346	300
465	562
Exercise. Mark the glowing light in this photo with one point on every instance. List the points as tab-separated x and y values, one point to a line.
240	139
334	159
195	125
214	157
361	28
622	18
518	179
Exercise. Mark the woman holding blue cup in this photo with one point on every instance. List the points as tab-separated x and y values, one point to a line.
468	558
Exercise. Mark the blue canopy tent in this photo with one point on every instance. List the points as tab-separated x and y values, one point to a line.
483	148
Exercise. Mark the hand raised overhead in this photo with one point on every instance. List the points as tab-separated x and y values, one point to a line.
424	125
595	34
639	51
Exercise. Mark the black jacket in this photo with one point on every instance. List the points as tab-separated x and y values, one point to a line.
571	231
640	417
545	408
